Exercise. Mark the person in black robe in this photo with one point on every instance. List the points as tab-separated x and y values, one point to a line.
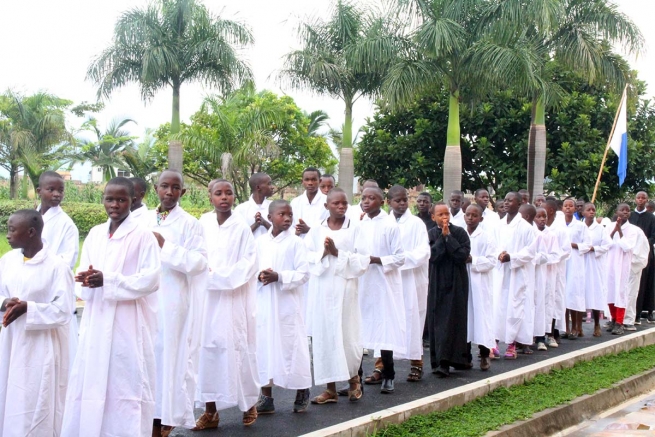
646	222
448	295
424	207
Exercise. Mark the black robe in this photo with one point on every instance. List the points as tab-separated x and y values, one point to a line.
448	297
429	223
646	298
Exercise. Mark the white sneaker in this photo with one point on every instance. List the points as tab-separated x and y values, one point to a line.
629	327
365	351
541	346
550	342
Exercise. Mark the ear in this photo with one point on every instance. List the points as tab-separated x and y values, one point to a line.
183	191
269	217
481	218
325	205
31	232
156	188
38	190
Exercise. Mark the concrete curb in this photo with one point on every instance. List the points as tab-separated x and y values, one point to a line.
556	419
368	424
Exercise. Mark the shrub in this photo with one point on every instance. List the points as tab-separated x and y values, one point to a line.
84	215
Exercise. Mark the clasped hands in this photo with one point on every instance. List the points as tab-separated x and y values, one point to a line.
91	278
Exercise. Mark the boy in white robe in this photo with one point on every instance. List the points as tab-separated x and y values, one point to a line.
355	212
112	383
595	265
480	266
334	268
456	212
326	184
36	289
575	271
139	209
255	209
625	237
282	347
414	275
381	297
184	260
490	217
61	236
639	263
227	375
513	281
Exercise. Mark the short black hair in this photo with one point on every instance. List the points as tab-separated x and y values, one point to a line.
377	190
256	179
277	203
176	172
311	169
49	174
479	190
328	176
32	217
395	190
475	205
457	192
335	191
140	184
425	193
123	182
551	204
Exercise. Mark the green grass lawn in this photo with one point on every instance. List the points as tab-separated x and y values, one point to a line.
5	247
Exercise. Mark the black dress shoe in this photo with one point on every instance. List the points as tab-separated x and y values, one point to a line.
442	371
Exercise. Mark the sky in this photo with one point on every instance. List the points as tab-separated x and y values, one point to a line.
48	45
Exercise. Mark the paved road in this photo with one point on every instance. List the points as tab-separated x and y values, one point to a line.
285	423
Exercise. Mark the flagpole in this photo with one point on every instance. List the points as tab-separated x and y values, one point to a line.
609	140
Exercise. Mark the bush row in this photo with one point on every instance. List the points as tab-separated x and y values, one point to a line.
84	215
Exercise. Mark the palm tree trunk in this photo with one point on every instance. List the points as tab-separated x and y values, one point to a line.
537	149
452	161
346	165
13	180
175	152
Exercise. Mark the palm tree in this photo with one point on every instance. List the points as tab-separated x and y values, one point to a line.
169	43
140	158
317	119
448	45
107	151
323	65
575	34
33	134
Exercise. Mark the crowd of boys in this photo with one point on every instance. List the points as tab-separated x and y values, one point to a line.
221	309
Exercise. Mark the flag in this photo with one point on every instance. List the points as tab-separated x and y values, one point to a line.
619	141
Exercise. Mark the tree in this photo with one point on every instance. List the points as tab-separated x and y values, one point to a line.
576	35
107	151
247	132
449	47
140	159
324	66
33	134
169	43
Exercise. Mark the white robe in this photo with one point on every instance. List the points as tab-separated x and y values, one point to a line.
619	260
639	261
248	209
142	214
34	347
63	239
557	308
547	257
491	220
414	275
458	219
381	299
354	213
282	348
480	305
575	266
112	384
514	281
595	267
228	354
179	316
335	315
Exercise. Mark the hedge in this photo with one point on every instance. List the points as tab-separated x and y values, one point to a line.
84	215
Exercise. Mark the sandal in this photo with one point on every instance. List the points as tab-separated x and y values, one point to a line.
206	421
250	416
573	335
374	378
527	350
326	397
510	352
597	332
166	430
415	374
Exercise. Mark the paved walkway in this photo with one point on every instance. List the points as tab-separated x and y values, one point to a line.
634	418
286	423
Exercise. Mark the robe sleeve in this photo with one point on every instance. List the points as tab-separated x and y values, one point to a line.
190	259
70	246
119	287
628	242
585	245
352	265
85	293
554	252
565	244
457	247
487	260
292	279
540	254
525	255
315	249
59	310
230	278
419	254
397	257
605	244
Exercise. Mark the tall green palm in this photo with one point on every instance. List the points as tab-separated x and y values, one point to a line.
323	65
169	43
140	158
578	36
33	134
448	45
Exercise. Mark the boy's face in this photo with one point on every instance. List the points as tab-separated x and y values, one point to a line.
371	201
500	206
525	198
399	203
568	208
512	203
623	212
222	196
441	215
326	185
310	181
281	218
539	200
266	186
541	218
579	206
589	211
423	204
650	207
337	205
169	190
117	202
641	199
482	198
18	233
472	217
455	201
51	192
